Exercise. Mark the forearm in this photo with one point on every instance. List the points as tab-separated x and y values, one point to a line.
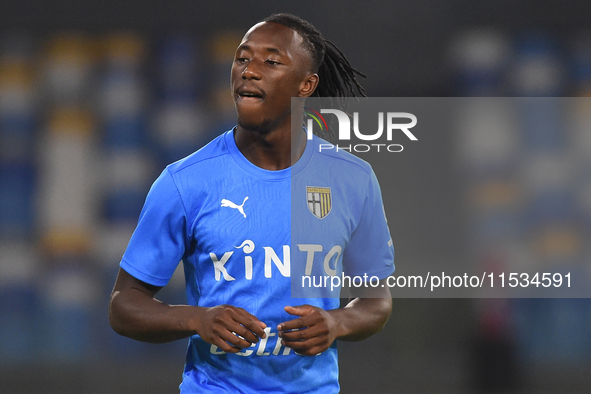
136	315
362	317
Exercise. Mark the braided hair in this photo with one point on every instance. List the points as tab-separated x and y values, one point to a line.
337	78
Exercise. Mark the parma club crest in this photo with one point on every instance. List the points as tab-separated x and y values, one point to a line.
319	201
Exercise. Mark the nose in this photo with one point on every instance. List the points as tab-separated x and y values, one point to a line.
251	71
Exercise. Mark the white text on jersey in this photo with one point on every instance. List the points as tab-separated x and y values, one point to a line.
225	261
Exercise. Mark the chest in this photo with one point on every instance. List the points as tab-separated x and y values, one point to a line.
247	228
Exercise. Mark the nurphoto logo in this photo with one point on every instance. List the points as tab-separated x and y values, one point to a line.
395	122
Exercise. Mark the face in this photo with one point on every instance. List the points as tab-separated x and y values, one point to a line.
270	67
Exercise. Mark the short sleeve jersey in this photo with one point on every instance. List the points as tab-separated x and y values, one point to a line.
230	223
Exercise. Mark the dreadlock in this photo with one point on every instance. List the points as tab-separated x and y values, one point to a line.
337	78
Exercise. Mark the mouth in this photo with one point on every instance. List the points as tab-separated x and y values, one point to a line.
250	94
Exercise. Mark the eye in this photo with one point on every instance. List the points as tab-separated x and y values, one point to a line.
241	60
273	62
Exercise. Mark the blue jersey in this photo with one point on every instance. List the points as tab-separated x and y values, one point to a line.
230	223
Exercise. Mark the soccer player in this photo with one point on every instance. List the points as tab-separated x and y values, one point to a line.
225	211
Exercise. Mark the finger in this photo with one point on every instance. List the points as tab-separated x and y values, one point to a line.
225	346
262	325
252	317
302	322
310	351
295	324
251	322
300	310
246	333
230	335
245	324
303	334
313	345
227	325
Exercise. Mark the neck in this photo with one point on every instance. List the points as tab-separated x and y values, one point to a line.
273	150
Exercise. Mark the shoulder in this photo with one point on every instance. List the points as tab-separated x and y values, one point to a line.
204	157
193	173
333	156
207	156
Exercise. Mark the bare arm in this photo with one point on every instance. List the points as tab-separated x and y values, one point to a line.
362	317
135	313
317	329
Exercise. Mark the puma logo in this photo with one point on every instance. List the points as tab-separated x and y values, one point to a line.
230	204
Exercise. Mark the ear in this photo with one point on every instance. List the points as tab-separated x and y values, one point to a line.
308	85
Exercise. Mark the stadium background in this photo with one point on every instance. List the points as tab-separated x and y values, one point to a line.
96	97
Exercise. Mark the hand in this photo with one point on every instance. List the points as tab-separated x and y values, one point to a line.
223	325
312	333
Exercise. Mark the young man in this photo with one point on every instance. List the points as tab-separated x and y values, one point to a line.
225	211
